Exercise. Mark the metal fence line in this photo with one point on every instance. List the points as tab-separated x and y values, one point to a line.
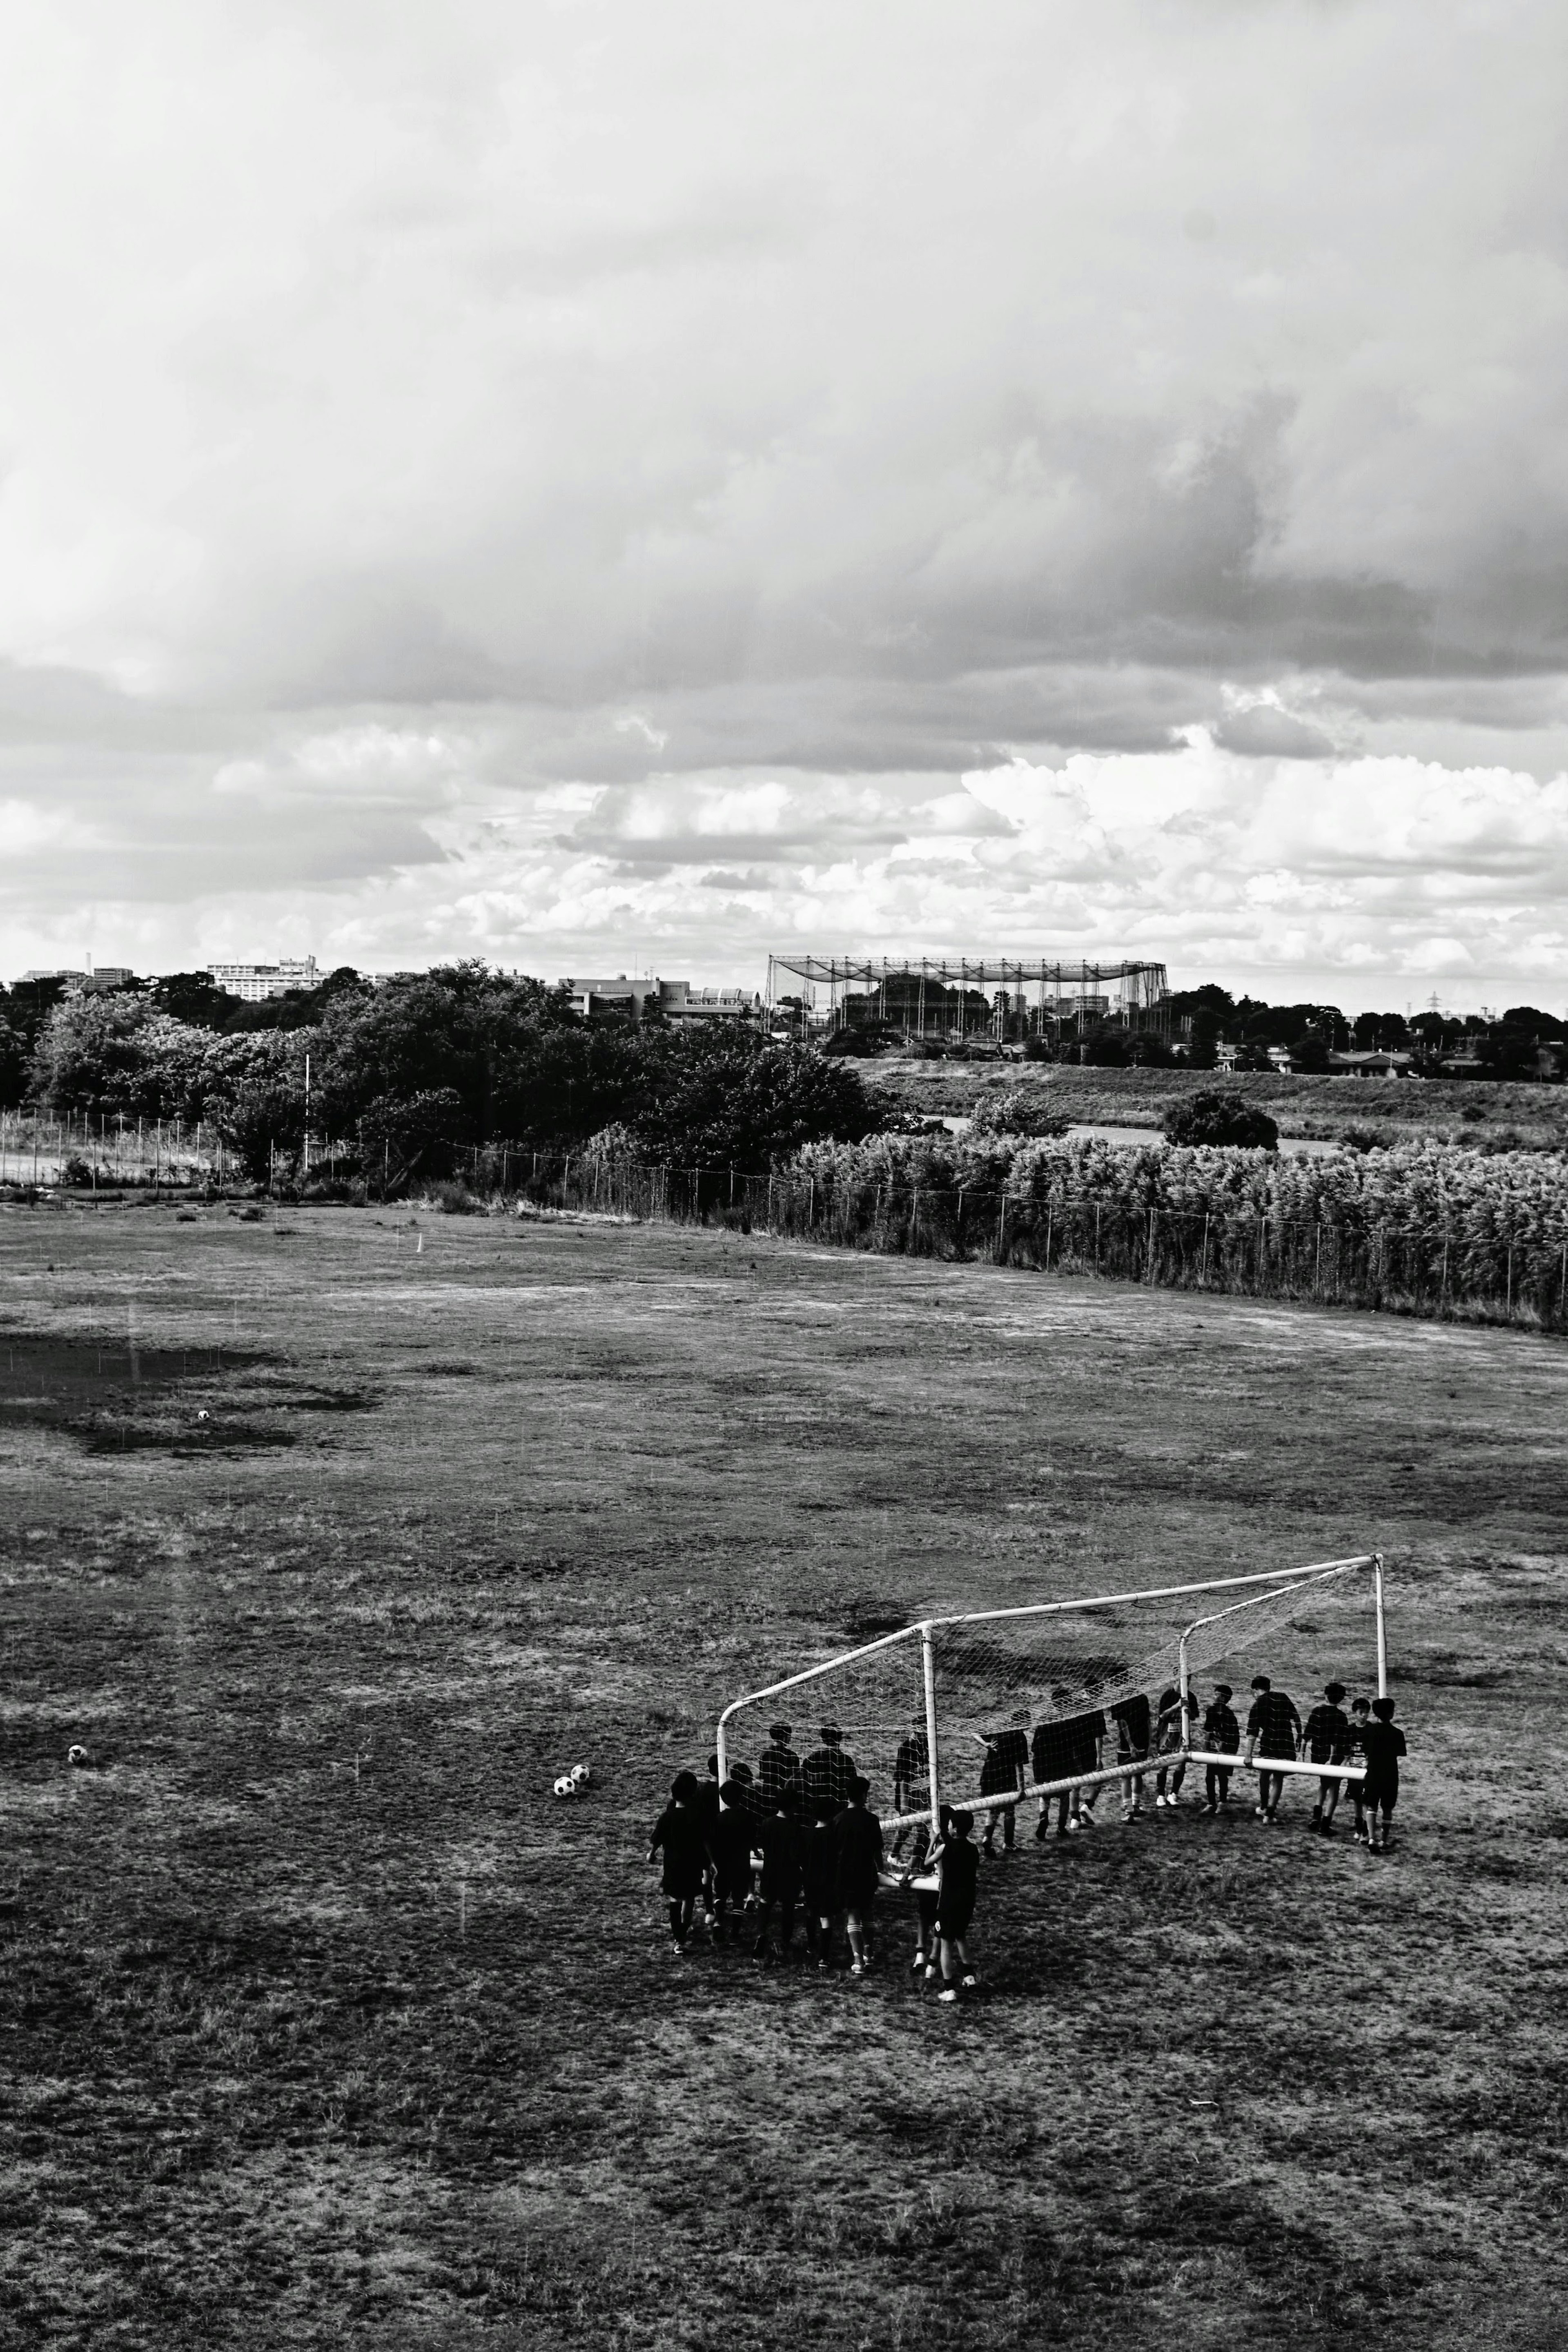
1433	1268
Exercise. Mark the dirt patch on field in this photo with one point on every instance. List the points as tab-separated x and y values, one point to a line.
115	1396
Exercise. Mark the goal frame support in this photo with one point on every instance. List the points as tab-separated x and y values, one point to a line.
1255	1583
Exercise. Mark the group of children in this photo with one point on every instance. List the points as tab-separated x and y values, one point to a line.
1367	1737
823	1853
822	1858
1150	1737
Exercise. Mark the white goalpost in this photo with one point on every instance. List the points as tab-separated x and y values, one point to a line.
994	1706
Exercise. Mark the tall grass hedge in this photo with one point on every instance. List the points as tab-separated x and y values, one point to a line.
1434	1227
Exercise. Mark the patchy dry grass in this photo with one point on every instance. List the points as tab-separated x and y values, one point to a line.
1322	1109
325	2026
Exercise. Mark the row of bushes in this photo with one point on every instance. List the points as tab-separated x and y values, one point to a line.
1436	1229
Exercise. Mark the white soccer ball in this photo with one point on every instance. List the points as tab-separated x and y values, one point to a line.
566	1785
581	1774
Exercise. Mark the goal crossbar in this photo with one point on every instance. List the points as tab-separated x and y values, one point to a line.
1256	1587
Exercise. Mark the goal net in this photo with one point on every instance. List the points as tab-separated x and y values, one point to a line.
996	1707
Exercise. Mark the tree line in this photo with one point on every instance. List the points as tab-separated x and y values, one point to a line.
413	1075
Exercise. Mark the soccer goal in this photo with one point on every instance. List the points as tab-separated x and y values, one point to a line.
989	1708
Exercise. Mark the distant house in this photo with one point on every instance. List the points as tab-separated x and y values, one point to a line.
1279	1059
1371	1064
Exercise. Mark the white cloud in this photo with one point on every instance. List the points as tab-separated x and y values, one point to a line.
468	477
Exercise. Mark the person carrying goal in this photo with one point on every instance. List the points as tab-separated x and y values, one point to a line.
1167	1742
1134	1719
1381	1744
780	1888
828	1772
857	1859
1005	1768
731	1845
1273	1728
1325	1739
1060	1751
1360	1716
778	1766
910	1781
927	1864
1221	1736
958	1878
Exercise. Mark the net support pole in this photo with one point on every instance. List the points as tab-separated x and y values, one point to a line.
1184	1697
932	1769
1382	1628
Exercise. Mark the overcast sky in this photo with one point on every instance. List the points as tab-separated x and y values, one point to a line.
586	485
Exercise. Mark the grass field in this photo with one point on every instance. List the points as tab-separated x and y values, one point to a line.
1307	1109
325	2026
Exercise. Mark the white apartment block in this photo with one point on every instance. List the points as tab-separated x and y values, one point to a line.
256	981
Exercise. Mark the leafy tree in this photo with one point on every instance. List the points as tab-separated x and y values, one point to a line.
401	1138
14	1056
1217	1116
262	1121
191	997
726	1096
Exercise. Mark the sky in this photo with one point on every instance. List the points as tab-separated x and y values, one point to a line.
603	487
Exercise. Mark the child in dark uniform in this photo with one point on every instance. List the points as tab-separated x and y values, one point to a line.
1381	1744
959	1877
731	1846
1360	1716
1005	1768
1221	1736
679	1835
707	1805
857	1858
779	1766
781	1872
909	1781
818	1864
1324	1736
925	1863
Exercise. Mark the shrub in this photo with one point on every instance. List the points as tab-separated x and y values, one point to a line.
1015	1111
1216	1117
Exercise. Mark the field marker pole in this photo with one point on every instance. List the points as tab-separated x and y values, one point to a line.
1382	1627
933	1771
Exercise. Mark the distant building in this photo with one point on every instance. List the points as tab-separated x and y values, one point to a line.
677	1000
1372	1065
256	981
89	983
593	998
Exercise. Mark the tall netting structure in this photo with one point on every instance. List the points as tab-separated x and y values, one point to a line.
951	1711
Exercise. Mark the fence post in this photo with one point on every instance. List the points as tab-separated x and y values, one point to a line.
1151	1266
1049	1208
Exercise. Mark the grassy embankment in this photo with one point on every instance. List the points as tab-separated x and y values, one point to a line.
1310	1109
326	2026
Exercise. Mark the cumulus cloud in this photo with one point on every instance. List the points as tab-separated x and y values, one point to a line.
474	481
